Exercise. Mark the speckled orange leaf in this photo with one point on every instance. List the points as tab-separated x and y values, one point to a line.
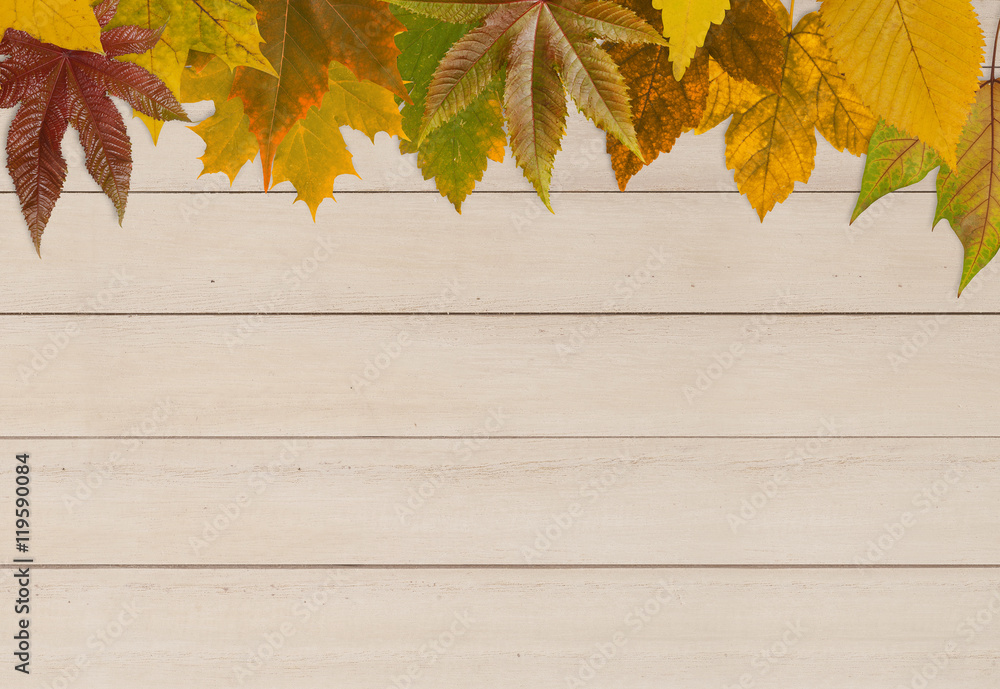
663	108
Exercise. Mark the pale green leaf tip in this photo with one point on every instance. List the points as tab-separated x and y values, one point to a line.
858	210
543	194
966	279
425	130
634	147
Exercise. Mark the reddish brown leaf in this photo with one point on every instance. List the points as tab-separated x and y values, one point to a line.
56	88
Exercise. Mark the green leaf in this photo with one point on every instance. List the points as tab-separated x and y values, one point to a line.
969	194
546	48
895	160
456	153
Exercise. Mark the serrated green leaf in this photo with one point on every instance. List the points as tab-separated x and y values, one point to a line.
455	154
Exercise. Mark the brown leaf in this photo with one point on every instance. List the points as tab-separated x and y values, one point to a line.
662	107
748	44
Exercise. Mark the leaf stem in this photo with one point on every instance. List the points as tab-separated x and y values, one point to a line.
791	14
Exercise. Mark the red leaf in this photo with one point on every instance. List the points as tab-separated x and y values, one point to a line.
34	153
128	40
105	11
56	88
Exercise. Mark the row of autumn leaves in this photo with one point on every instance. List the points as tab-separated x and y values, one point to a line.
898	80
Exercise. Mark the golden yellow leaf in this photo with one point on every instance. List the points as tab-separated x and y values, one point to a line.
915	64
69	24
228	141
314	153
685	24
312	156
362	105
726	96
771	144
226	28
841	116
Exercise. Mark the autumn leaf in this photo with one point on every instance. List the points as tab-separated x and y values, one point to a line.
772	144
748	43
685	24
302	38
727	96
915	64
229	145
895	160
361	104
663	108
314	153
56	88
547	49
969	193
227	28
67	23
456	153
312	156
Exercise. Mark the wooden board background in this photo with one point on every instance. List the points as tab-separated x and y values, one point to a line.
646	441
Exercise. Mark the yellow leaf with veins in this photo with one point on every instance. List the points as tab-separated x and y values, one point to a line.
771	143
69	24
915	64
314	153
227	28
726	97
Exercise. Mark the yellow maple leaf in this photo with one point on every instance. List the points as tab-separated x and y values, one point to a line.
362	104
226	28
69	24
312	156
229	145
314	153
771	141
915	64
685	25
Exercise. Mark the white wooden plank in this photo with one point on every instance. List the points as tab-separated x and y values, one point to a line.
412	253
543	375
347	628
826	500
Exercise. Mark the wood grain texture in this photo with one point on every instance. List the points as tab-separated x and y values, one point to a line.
459	441
521	375
515	501
669	253
844	629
